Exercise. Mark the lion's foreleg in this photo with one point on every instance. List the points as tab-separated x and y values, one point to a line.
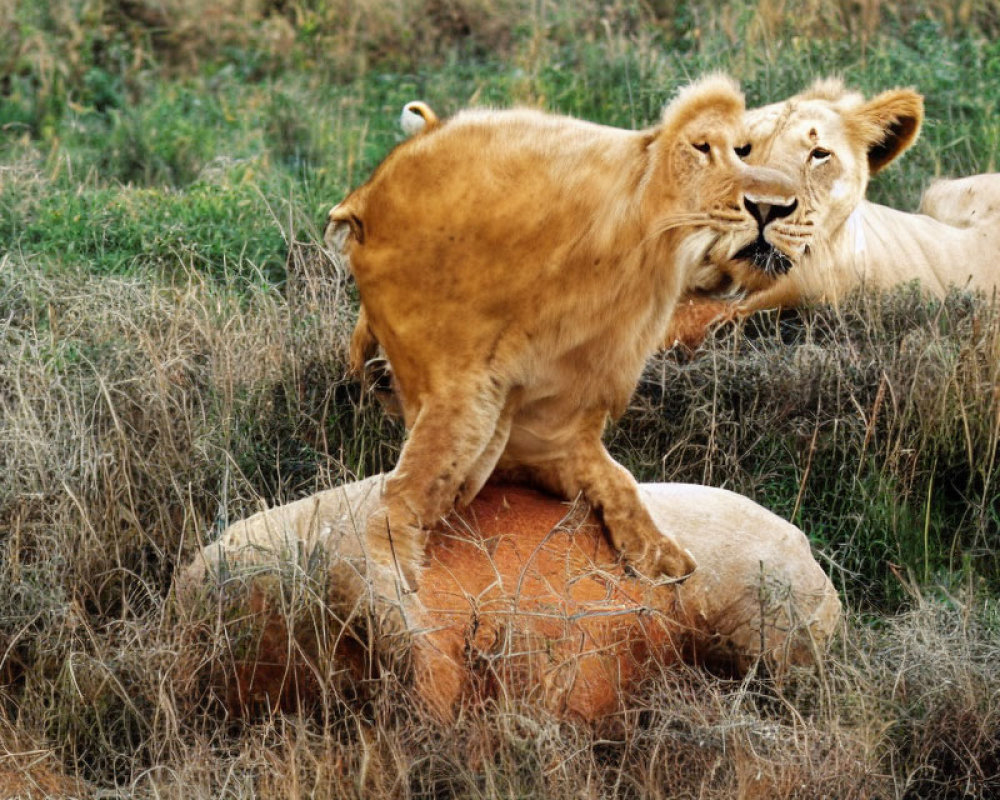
450	434
692	320
785	293
488	459
364	345
588	468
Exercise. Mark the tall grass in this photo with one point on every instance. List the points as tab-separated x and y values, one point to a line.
172	356
875	428
140	417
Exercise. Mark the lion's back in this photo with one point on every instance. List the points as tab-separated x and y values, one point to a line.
963	202
492	218
504	171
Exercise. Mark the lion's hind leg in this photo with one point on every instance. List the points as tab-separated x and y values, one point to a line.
450	434
364	345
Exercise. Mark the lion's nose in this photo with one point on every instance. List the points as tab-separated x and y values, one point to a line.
765	209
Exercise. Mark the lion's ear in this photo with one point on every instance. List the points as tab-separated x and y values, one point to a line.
715	93
887	125
340	223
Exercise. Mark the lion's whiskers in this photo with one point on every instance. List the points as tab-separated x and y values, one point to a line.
674	221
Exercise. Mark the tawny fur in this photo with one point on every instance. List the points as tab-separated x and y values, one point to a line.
830	141
839	241
518	268
522	597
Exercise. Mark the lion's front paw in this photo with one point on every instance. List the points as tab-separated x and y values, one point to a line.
672	562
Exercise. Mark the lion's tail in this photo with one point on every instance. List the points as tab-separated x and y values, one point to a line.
417	117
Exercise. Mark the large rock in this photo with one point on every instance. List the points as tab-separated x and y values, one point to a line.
522	594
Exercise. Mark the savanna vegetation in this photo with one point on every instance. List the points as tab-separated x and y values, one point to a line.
172	357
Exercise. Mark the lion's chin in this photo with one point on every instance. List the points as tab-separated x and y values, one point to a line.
764	257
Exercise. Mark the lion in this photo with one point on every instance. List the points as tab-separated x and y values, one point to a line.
518	268
970	202
521	593
364	350
830	140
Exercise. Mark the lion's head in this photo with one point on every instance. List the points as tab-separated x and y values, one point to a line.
829	141
703	143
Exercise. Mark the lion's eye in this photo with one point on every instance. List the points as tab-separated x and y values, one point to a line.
819	156
744	150
702	147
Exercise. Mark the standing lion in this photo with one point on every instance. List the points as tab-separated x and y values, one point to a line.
518	268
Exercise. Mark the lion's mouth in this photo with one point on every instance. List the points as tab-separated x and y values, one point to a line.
765	257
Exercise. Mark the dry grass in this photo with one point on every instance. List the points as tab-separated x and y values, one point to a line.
139	417
875	428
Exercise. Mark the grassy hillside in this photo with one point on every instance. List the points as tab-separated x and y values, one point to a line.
172	356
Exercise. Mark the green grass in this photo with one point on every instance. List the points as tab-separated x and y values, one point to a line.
213	228
172	355
218	173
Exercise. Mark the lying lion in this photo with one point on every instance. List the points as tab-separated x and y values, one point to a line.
521	594
830	141
518	268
